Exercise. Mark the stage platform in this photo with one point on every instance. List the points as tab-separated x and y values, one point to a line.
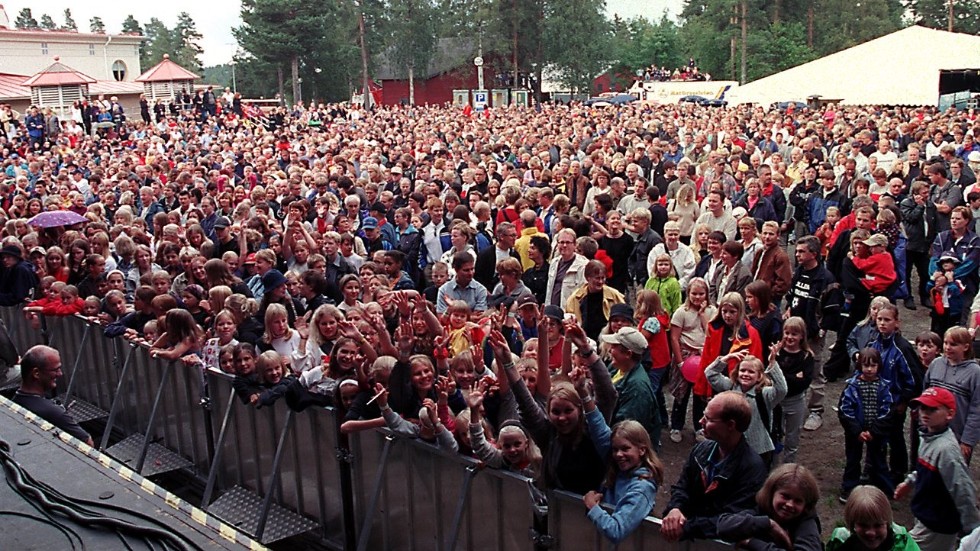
79	471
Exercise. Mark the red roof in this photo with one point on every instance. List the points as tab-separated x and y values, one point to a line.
58	74
12	87
166	71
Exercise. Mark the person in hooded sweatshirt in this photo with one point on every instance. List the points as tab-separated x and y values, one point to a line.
957	371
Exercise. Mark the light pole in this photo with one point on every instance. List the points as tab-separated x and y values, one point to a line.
234	82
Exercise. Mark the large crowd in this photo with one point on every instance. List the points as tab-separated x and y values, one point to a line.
549	290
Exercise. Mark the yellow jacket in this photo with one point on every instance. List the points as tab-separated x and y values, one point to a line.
610	296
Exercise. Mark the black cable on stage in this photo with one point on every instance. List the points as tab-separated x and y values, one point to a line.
46	515
23	484
42	520
125	543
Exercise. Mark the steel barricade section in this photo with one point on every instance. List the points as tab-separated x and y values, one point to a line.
261	491
180	424
83	377
431	499
21	333
315	470
572	530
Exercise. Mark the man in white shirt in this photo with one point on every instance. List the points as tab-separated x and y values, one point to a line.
567	270
716	217
885	156
638	199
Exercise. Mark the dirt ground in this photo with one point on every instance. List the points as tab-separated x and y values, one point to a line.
821	451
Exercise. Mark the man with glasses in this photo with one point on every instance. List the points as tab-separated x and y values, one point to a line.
721	475
40	368
567	270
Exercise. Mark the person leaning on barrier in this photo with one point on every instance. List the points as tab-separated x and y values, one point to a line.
721	475
17	277
40	368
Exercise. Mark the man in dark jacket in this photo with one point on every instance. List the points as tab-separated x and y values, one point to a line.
722	474
810	281
17	278
486	261
35	128
917	245
409	243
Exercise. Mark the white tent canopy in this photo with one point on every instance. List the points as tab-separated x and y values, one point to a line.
901	68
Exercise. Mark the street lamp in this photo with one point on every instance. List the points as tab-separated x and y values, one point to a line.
234	83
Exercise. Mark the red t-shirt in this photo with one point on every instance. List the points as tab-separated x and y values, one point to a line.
654	329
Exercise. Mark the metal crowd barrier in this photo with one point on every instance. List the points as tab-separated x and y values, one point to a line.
411	495
570	529
21	333
276	473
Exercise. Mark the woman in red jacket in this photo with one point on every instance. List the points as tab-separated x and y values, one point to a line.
729	332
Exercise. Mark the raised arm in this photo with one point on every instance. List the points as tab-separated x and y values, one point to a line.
534	419
544	358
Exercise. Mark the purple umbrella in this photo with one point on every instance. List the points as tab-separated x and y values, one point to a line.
56	218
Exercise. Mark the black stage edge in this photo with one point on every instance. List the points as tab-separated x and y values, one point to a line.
80	471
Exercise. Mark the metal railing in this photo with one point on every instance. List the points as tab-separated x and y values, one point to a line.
275	473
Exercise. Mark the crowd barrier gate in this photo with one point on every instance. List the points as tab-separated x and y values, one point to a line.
275	473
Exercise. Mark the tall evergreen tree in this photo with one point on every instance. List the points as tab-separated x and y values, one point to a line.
47	23
131	25
159	41
935	14
185	42
578	39
96	25
413	38
25	20
286	41
69	21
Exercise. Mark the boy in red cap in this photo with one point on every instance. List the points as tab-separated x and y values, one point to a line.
944	503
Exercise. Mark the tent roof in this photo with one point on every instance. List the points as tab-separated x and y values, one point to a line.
166	71
58	74
901	68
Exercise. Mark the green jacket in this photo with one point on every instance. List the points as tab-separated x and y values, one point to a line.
669	290
842	540
637	401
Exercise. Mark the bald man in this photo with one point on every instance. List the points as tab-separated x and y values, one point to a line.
40	368
722	474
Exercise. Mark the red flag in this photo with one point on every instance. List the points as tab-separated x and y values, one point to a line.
468	110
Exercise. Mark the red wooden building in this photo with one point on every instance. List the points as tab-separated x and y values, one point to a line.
451	68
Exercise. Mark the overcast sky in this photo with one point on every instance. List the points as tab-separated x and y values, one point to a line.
215	18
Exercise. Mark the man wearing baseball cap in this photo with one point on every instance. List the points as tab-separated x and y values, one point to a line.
636	397
945	500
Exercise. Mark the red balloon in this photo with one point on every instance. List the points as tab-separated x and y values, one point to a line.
691	368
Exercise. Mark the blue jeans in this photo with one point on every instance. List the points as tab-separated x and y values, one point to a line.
658	377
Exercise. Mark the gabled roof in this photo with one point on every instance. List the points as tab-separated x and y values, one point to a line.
58	74
449	53
166	71
901	68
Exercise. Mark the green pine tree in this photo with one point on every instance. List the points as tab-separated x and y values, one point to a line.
95	25
69	21
47	23
25	20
